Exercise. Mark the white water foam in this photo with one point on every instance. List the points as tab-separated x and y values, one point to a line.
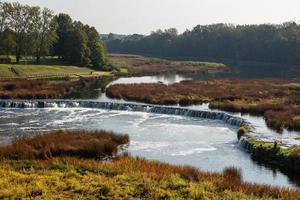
194	151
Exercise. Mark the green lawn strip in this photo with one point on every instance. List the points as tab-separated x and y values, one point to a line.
186	63
199	64
25	70
5	71
51	71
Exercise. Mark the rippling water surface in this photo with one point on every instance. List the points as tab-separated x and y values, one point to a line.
209	145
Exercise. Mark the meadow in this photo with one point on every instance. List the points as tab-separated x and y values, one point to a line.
146	66
20	70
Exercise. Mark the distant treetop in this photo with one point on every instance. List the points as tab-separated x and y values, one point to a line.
279	43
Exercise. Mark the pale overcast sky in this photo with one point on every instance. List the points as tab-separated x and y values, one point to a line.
143	16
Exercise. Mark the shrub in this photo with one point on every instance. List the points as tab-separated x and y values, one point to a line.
241	132
84	144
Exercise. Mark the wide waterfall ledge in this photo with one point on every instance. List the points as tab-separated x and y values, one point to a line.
221	116
226	118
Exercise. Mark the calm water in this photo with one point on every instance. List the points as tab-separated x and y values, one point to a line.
208	145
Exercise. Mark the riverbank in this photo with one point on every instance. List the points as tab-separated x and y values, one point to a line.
33	71
274	153
275	99
136	65
125	177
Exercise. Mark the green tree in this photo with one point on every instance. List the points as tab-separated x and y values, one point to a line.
21	24
97	51
64	28
4	15
77	50
44	32
278	43
5	9
32	31
8	42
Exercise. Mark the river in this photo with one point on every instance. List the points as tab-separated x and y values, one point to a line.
208	144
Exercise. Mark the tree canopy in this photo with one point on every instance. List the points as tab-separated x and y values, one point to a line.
266	42
34	31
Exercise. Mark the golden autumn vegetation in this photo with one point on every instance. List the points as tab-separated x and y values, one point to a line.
125	178
76	175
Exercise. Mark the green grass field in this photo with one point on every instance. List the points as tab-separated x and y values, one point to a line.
27	70
5	71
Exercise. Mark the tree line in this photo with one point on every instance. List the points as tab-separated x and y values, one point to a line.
279	43
33	31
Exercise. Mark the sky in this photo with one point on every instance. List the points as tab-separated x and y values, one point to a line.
144	16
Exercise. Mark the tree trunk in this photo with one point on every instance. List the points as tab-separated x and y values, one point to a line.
18	57
38	59
38	56
19	48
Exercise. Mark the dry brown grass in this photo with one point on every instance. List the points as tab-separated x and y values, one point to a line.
41	89
277	100
143	66
97	144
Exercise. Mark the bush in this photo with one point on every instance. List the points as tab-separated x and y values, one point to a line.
241	132
83	144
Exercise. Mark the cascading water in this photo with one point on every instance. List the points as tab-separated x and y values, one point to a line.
226	118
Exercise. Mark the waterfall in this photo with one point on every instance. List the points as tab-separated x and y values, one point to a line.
226	118
243	142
